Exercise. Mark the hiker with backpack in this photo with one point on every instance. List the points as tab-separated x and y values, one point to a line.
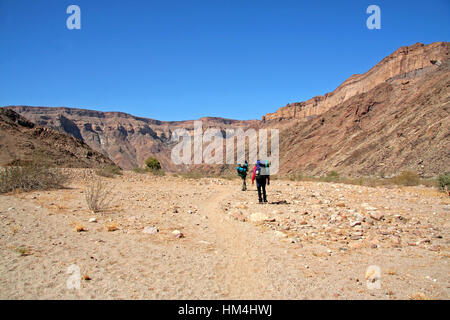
242	170
262	177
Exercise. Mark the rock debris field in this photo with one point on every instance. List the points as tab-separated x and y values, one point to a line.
167	237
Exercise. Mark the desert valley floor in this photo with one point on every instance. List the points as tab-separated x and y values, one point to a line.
313	240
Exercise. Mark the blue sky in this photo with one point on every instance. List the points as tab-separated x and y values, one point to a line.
177	60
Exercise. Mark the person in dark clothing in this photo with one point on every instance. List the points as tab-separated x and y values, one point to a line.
242	170
262	177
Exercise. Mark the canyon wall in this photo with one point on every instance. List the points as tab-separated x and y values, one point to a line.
405	62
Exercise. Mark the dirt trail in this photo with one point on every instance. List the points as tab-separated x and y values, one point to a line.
241	270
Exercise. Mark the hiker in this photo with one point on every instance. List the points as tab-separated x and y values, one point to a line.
261	175
242	170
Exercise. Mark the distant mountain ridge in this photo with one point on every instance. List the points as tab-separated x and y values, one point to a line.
394	117
124	138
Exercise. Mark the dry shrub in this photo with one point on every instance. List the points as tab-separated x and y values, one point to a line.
406	178
109	171
24	251
97	196
31	176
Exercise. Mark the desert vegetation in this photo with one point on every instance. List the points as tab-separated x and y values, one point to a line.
31	176
405	178
109	171
97	195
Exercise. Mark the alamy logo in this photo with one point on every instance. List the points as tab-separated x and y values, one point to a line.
74	20
209	146
374	21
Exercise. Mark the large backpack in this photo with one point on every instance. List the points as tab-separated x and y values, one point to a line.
241	170
262	170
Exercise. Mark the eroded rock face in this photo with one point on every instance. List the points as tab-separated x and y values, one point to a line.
22	141
126	139
397	126
403	63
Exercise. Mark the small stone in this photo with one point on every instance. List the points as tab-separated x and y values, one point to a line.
280	234
150	230
376	215
355	223
358	217
434	248
258	217
177	234
93	220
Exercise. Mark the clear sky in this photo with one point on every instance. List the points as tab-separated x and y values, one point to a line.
177	60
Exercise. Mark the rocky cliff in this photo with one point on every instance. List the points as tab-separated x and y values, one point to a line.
126	139
22	141
405	62
400	125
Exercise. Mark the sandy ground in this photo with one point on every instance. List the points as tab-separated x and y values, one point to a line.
314	241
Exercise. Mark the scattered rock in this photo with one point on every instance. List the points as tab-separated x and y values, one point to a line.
355	223
280	234
434	247
80	228
376	215
93	220
111	227
258	217
150	230
178	234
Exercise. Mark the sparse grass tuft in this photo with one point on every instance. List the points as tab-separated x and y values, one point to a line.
155	172
332	176
23	251
140	170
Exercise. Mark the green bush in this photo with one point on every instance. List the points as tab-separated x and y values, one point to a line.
444	181
153	164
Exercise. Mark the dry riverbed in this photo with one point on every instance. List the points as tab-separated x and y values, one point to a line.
175	238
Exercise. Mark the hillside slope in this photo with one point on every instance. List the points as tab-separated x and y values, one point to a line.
403	124
23	141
